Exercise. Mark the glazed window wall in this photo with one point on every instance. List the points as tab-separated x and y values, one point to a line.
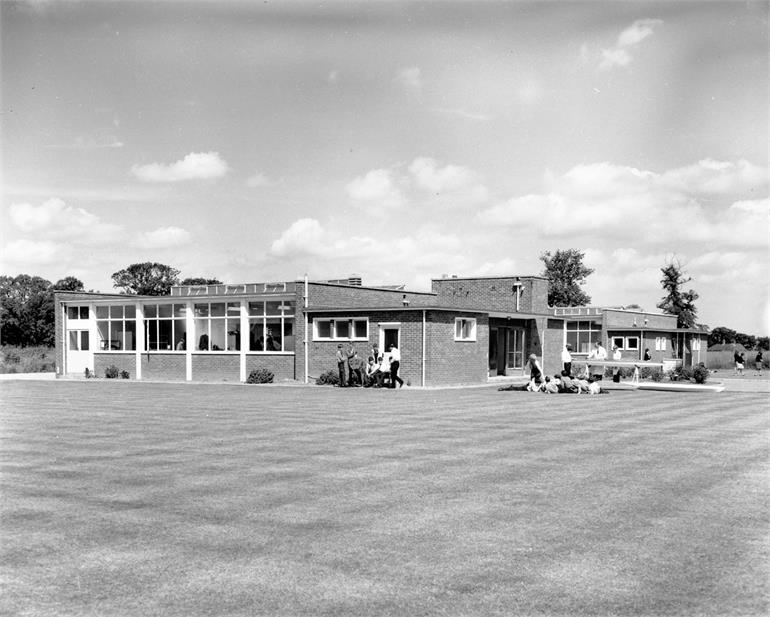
116	327
271	325
583	334
217	326
165	327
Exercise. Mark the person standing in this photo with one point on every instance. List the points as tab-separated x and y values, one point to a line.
395	363
356	370
566	359
738	359
598	353
351	353
342	361
758	361
616	355
536	375
647	354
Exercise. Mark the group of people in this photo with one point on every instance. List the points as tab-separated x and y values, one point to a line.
372	373
560	383
740	361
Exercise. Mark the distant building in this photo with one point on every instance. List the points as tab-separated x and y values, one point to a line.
464	331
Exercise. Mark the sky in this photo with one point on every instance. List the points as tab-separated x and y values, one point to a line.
263	141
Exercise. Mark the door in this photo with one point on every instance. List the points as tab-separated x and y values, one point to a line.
79	356
390	334
493	364
515	349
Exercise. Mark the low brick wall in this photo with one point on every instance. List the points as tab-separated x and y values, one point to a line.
282	366
124	362
164	366
216	367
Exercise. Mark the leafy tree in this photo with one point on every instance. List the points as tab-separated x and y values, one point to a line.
749	341
721	335
69	283
200	281
763	342
146	279
678	302
26	311
566	273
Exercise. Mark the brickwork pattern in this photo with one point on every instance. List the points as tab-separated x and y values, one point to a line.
216	367
124	362
627	319
282	367
456	362
494	294
553	344
344	296
322	353
164	366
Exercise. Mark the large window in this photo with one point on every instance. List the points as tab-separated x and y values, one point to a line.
78	340
341	329
218	326
626	343
465	329
582	335
116	326
271	325
165	326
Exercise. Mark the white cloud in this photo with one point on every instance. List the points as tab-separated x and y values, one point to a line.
258	179
303	237
410	79
626	204
619	55
194	166
163	237
55	219
377	188
448	179
23	253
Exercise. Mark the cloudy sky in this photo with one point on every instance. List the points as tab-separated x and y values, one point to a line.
259	141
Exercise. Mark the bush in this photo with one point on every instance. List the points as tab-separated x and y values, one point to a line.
111	372
329	378
681	373
625	372
649	372
700	374
260	375
34	359
124	375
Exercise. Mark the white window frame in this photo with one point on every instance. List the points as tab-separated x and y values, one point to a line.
350	321
628	347
660	343
459	327
618	339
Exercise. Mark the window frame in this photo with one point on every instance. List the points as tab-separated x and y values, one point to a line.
593	333
276	312
351	325
157	318
109	320
459	323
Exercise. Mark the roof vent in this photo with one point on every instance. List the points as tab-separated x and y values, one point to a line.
354	280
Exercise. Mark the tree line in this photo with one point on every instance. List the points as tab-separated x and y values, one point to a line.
27	305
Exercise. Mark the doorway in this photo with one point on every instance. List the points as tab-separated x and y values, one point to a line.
389	334
506	350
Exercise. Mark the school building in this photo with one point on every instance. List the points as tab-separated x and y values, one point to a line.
464	331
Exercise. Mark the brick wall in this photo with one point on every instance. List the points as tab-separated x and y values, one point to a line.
629	319
343	296
281	366
124	362
322	353
216	367
455	362
164	366
494	294
553	344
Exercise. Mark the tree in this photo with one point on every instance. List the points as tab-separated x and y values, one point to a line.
200	281
566	273
146	279
721	335
763	342
678	302
69	283
26	311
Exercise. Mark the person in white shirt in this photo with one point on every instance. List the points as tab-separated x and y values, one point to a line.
566	358
395	362
616	355
598	353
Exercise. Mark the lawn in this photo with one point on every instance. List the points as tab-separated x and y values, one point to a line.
138	499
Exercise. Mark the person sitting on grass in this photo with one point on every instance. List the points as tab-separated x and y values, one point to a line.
551	385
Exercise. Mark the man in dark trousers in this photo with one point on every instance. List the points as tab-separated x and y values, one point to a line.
395	362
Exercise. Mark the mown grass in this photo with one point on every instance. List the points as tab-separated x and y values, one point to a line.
172	499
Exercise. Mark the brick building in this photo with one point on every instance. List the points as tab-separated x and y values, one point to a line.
464	331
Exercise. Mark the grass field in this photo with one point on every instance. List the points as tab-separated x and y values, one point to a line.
129	499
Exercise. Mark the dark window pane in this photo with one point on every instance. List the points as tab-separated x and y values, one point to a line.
84	340
83	312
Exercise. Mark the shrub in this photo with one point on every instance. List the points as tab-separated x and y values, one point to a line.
681	373
124	375
260	375
649	372
111	372
700	374
33	359
329	378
